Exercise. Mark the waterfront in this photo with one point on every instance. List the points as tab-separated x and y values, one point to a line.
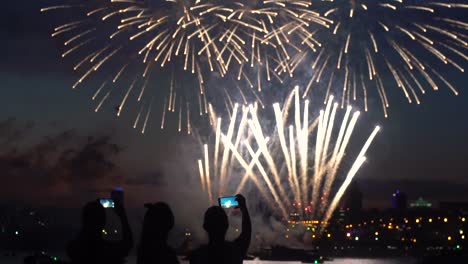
19	260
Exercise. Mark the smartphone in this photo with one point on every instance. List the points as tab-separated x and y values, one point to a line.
228	202
107	203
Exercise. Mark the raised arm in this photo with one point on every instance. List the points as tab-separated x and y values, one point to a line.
244	238
126	244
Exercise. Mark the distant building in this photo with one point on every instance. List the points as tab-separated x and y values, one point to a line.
354	198
461	207
399	200
420	203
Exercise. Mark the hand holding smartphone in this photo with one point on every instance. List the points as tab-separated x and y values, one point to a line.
115	200
107	203
228	202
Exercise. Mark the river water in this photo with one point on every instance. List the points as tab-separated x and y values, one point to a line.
131	260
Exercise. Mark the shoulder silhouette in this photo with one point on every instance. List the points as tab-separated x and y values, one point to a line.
218	250
153	248
89	247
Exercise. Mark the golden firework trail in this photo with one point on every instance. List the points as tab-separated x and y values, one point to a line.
135	40
358	49
270	38
389	45
296	161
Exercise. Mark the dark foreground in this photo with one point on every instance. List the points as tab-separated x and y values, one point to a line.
18	259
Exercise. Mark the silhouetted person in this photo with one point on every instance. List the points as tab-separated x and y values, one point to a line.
219	251
153	248
90	247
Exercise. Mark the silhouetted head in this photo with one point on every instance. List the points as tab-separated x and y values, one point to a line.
158	221
216	223
93	217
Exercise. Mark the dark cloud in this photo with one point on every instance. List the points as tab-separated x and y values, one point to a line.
155	178
64	166
10	132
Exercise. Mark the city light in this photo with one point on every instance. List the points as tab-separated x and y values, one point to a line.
449	238
463	219
430	220
348	234
376	233
328	235
356	238
445	220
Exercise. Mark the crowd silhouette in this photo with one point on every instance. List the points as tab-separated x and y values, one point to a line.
89	247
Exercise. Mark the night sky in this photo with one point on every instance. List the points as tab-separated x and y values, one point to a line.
422	150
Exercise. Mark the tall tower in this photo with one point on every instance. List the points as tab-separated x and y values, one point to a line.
354	201
399	200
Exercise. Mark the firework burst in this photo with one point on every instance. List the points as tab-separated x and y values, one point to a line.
297	159
150	40
269	32
145	42
373	46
